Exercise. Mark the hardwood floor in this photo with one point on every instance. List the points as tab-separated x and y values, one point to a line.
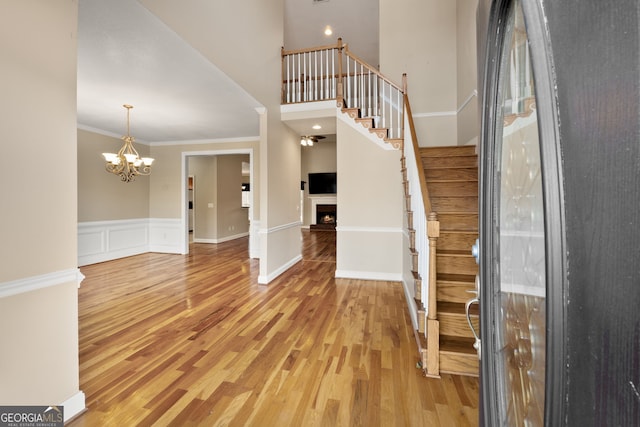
173	340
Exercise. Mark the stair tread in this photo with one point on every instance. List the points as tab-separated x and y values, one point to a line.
453	252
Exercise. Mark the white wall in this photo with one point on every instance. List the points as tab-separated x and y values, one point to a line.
38	277
370	208
418	37
467	73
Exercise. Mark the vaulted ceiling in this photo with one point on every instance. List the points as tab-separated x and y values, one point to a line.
126	55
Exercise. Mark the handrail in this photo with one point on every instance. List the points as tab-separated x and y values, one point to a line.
416	149
311	49
370	67
333	72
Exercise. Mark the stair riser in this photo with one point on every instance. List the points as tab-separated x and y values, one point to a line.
445	189
456	325
452	264
454	292
457	241
455	204
450	162
459	221
451	174
463	150
459	364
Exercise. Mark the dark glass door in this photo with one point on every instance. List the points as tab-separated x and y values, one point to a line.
516	219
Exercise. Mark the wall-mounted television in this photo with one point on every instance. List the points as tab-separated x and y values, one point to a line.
323	183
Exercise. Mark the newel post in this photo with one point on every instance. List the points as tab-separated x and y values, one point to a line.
433	325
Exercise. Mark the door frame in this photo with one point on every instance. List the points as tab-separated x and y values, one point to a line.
184	182
553	195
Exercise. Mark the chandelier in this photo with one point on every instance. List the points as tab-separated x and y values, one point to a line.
127	164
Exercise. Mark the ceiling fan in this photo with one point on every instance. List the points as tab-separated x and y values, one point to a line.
308	141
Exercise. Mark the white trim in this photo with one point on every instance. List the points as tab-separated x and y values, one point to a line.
254	239
370	229
164	235
222	239
107	133
467	101
205	141
42	281
263	280
100	241
185	199
473	94
74	405
368	275
434	114
308	106
282	227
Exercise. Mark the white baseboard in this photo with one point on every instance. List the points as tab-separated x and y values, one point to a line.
263	280
368	275
222	239
73	406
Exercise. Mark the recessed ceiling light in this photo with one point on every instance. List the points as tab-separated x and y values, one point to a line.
328	31
316	127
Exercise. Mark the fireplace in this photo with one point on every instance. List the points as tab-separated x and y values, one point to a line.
326	217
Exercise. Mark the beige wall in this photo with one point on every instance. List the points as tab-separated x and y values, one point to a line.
438	53
466	50
203	170
418	37
236	36
39	336
321	157
232	217
370	207
102	196
165	184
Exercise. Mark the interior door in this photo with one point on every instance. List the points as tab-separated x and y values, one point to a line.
519	231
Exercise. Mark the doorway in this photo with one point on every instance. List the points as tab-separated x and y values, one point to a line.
193	184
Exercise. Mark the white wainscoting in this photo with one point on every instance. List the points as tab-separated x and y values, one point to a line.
280	261
254	240
100	241
166	235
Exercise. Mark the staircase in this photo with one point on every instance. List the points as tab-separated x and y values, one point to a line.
441	196
451	174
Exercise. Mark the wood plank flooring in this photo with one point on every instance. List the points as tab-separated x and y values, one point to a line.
173	340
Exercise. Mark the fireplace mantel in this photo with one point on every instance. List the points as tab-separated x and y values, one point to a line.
320	200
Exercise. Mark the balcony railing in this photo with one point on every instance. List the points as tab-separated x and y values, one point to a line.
333	72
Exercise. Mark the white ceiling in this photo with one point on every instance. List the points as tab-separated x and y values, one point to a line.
126	55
